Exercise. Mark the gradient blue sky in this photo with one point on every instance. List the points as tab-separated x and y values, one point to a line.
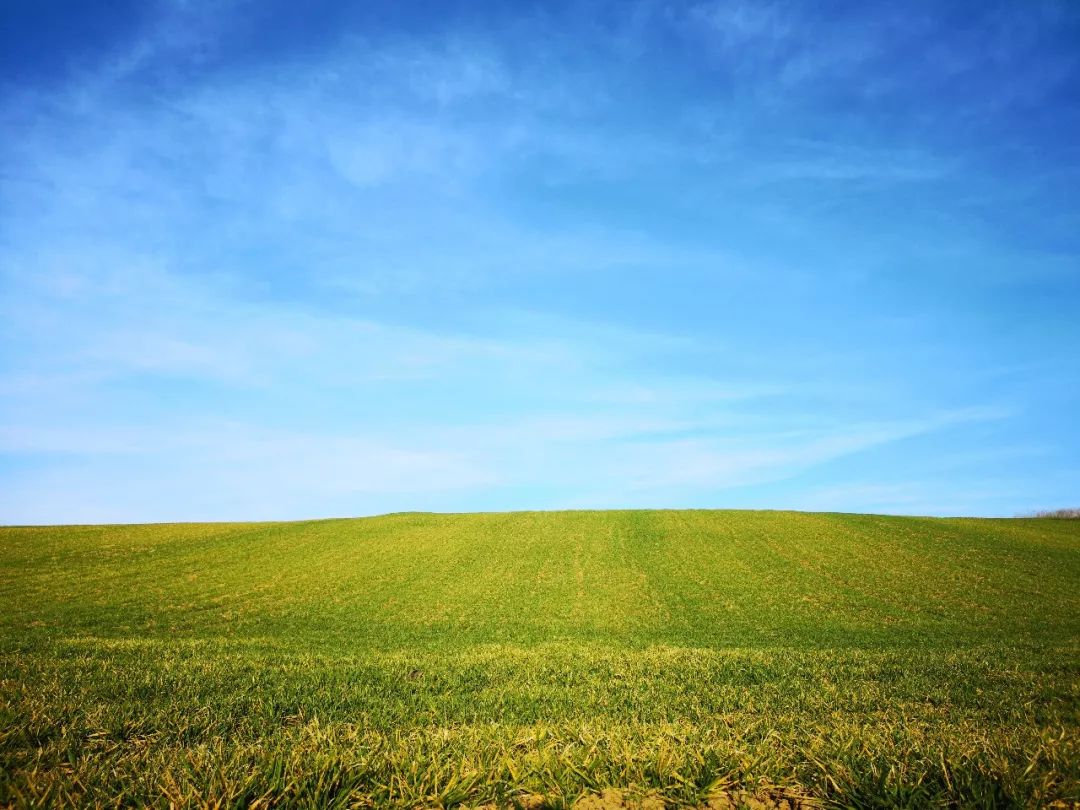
281	260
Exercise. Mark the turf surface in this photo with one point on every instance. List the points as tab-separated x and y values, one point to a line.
419	659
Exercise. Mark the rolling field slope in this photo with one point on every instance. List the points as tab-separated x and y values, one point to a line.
541	658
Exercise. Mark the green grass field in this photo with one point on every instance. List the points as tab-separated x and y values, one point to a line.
537	659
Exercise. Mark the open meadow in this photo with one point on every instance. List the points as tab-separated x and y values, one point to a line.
541	659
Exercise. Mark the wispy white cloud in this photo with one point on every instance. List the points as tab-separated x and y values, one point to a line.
568	415
279	474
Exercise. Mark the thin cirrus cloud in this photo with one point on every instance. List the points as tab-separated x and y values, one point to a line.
726	254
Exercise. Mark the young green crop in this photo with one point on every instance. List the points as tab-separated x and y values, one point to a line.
421	659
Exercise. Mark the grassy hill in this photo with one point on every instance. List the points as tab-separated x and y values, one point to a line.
420	659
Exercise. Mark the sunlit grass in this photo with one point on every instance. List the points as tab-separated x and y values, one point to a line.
541	657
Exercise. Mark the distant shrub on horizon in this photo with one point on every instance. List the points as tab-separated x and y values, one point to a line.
1061	514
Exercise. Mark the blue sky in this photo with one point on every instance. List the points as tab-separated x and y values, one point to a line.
268	260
